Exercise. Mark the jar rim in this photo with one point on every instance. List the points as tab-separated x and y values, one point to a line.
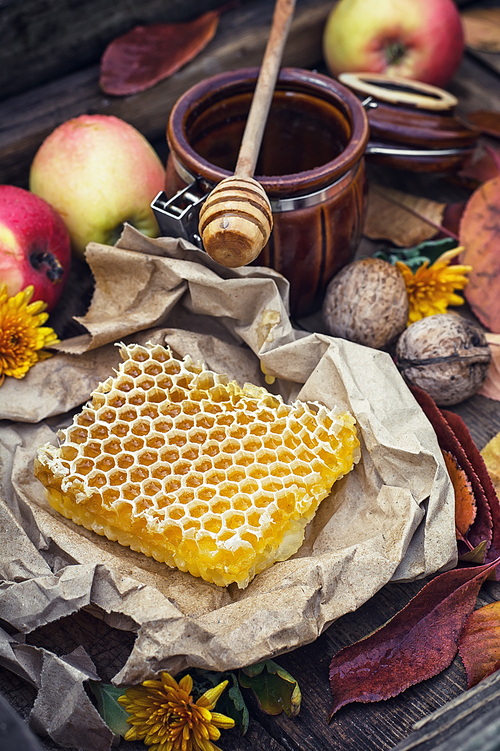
289	79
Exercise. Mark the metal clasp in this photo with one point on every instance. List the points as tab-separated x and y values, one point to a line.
178	216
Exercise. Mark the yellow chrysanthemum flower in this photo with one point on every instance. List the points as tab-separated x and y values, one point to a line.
164	715
22	334
432	288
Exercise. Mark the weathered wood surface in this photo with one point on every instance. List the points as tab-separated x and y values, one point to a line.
26	119
44	39
470	721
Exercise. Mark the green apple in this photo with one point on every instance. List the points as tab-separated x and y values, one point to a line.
417	39
98	172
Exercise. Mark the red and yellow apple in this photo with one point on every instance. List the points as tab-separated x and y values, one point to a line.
417	39
98	172
34	246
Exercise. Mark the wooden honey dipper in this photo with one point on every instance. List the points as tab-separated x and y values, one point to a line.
236	220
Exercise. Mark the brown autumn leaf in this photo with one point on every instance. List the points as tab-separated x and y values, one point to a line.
479	643
491	456
148	54
482	29
401	218
417	643
465	503
480	235
487	121
491	385
483	164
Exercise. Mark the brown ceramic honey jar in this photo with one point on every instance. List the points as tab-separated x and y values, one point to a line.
413	125
311	166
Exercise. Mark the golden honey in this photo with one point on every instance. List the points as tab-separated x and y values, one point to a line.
206	476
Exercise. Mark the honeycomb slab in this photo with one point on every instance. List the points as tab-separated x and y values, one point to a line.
174	461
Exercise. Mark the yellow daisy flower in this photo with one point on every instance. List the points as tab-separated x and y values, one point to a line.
22	334
432	288
164	715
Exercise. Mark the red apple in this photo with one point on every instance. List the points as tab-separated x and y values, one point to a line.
418	39
98	172
34	245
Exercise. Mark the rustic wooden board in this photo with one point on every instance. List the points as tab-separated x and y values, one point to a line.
45	39
25	120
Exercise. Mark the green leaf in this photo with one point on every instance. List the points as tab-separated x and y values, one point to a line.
111	712
429	251
276	690
231	702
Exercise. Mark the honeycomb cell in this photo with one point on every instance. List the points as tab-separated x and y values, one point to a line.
146	458
156	395
107	414
120	429
241	502
223	461
125	461
69	452
137	398
234	520
85	418
195	470
138	474
133	444
151	488
118	478
117	400
160	471
84	466
162	424
105	463
99	431
194	480
141	427
153	369
149	411
125	384
145	383
169	454
155	441
112	446
203	464
78	435
92	449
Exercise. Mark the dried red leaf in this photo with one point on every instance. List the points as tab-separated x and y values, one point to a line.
477	462
465	503
148	54
449	440
487	121
419	642
480	235
479	643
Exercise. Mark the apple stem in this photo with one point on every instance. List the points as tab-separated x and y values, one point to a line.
54	270
394	52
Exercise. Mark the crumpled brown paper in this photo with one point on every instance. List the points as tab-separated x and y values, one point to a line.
390	519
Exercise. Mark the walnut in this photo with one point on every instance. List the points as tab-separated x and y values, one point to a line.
445	355
367	303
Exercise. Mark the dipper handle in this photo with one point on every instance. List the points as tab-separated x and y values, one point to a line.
236	219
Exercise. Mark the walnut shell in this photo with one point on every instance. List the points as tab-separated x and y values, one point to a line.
367	303
445	355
